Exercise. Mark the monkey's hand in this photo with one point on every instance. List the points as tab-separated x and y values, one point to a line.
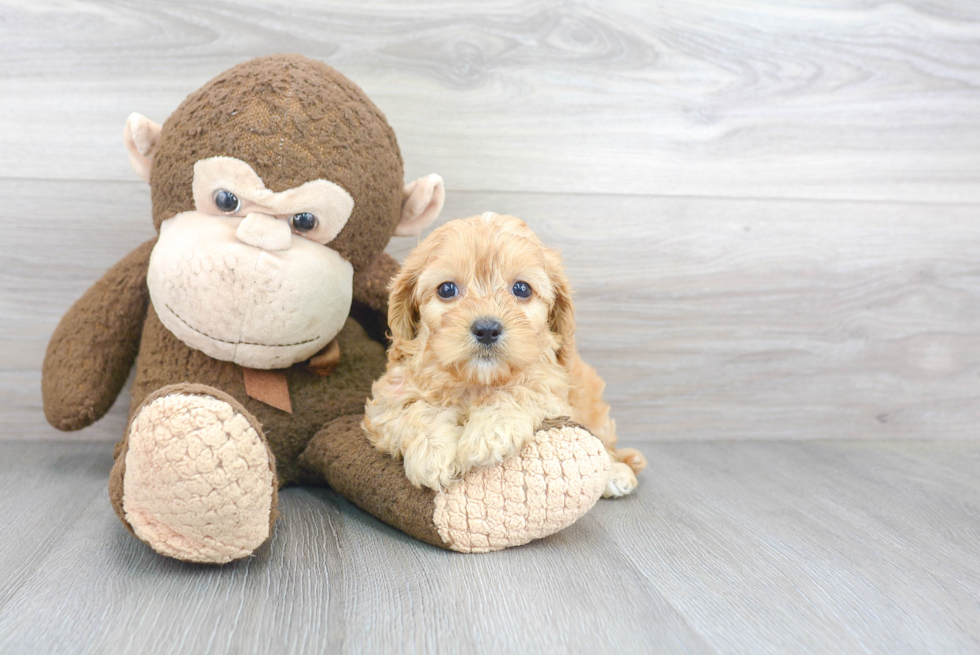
95	345
370	306
556	479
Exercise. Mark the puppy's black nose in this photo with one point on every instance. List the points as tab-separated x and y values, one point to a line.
487	330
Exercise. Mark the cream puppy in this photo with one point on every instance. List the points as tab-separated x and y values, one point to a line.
483	350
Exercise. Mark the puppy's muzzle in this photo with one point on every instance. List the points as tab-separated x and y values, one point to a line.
487	330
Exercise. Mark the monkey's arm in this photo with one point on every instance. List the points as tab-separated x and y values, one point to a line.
555	480
370	305
95	344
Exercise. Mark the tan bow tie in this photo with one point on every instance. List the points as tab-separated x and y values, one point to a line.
271	387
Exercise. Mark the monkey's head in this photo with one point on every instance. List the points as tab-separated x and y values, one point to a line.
271	185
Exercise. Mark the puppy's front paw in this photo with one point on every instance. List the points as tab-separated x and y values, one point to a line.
490	438
632	458
431	463
622	481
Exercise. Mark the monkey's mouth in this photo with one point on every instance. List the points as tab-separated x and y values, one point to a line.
237	343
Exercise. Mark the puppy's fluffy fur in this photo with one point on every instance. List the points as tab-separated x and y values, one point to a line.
449	402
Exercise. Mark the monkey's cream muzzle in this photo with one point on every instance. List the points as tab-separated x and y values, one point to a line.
240	303
246	289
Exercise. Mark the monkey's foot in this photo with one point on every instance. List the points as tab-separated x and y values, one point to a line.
195	479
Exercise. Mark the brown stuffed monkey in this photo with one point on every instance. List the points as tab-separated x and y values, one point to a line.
255	320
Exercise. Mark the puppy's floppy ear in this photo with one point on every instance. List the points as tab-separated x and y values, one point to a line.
403	311
562	316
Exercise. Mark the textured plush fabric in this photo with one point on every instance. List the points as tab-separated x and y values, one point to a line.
336	133
94	346
370	306
557	478
140	137
424	199
371	285
316	400
199	483
253	307
292	120
331	204
341	455
118	475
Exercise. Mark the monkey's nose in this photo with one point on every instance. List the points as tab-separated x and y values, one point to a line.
265	232
487	330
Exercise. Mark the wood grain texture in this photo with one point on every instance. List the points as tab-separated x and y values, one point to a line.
44	487
813	547
856	100
770	212
725	548
708	318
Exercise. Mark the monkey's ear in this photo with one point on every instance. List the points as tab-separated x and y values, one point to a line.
422	201
141	136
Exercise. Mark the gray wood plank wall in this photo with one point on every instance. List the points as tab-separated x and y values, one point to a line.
769	209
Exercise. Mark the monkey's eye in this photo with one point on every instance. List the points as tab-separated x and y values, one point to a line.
447	290
227	201
303	222
522	289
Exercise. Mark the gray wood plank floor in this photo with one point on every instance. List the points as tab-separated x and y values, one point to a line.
837	547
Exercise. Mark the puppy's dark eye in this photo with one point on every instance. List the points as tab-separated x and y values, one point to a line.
303	222
522	289
227	201
447	290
